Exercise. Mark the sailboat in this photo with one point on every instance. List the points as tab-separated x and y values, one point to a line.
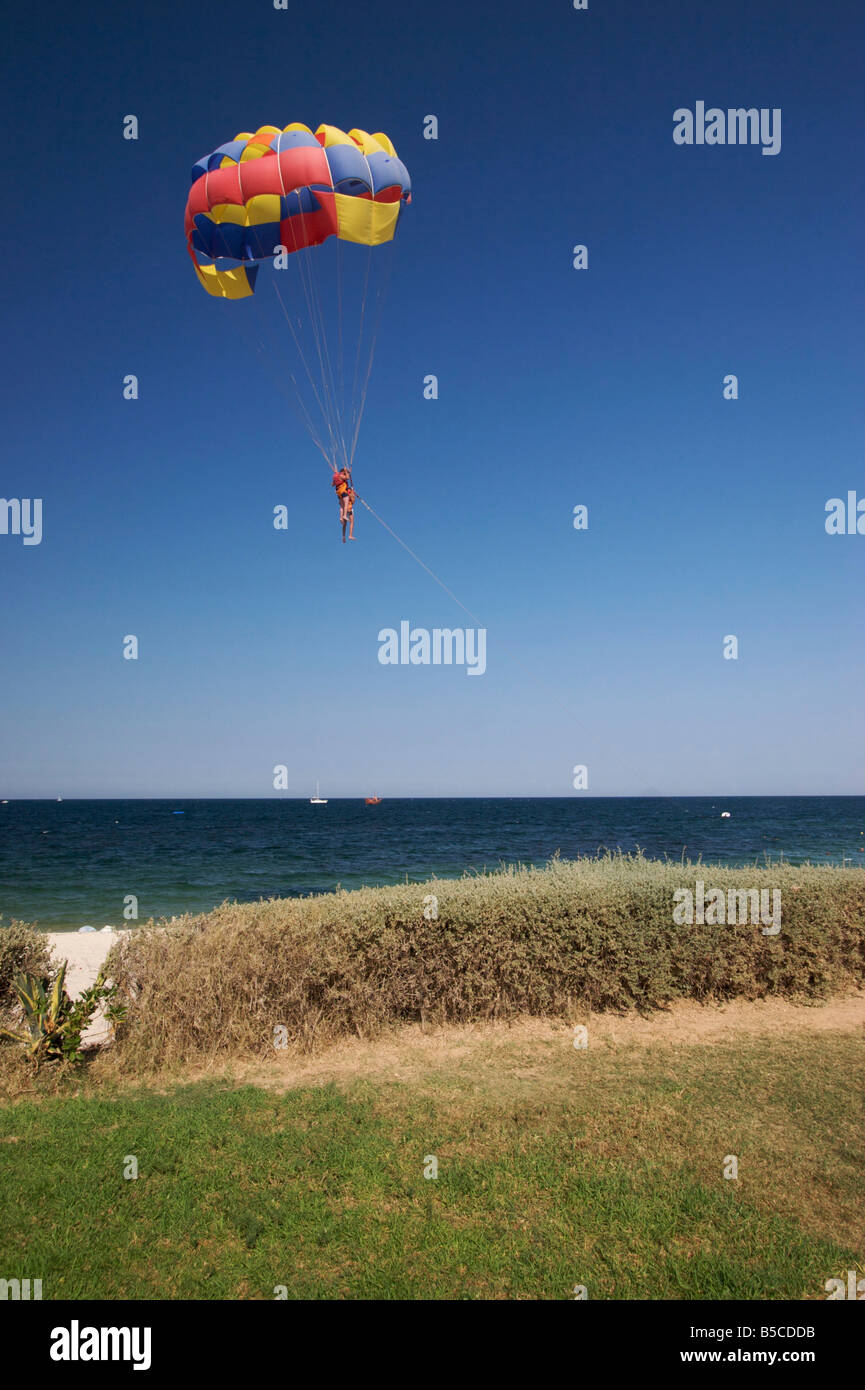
317	800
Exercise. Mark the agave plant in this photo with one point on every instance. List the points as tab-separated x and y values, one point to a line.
54	1023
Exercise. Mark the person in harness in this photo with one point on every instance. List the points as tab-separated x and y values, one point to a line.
346	497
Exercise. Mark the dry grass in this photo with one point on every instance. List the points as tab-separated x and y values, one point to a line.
592	935
23	951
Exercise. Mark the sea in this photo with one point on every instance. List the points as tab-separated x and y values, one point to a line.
68	864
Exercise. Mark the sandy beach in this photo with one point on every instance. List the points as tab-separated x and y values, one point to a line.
85	953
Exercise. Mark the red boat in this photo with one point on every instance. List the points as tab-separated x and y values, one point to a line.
373	800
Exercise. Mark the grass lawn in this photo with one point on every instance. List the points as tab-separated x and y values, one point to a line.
602	1168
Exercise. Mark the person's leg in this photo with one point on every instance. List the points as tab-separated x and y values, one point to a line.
351	524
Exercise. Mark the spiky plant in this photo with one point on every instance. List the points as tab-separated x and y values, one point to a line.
54	1022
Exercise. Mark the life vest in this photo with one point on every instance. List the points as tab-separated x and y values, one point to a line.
339	482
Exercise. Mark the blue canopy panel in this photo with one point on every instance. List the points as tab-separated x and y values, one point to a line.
387	172
348	170
217	239
260	242
302	200
292	140
404	178
233	150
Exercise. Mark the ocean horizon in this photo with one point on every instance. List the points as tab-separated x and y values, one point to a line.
88	862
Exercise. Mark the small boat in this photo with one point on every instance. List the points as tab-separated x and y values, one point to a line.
60	798
317	800
372	800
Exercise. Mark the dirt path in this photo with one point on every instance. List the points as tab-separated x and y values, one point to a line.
410	1052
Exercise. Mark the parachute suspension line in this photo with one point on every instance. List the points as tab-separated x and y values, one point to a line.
325	402
423	566
339	316
329	400
329	376
324	357
268	355
296	399
381	296
296	402
296	260
302	356
327	414
360	332
309	424
343	446
338	404
325	365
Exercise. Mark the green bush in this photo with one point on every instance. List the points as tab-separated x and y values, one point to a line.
54	1022
591	934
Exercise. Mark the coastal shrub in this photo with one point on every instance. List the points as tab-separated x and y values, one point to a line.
54	1023
23	951
592	934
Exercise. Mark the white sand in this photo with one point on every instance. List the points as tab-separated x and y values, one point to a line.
85	954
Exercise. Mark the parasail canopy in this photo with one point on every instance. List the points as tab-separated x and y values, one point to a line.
289	189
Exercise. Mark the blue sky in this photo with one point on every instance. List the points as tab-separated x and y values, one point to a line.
557	387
